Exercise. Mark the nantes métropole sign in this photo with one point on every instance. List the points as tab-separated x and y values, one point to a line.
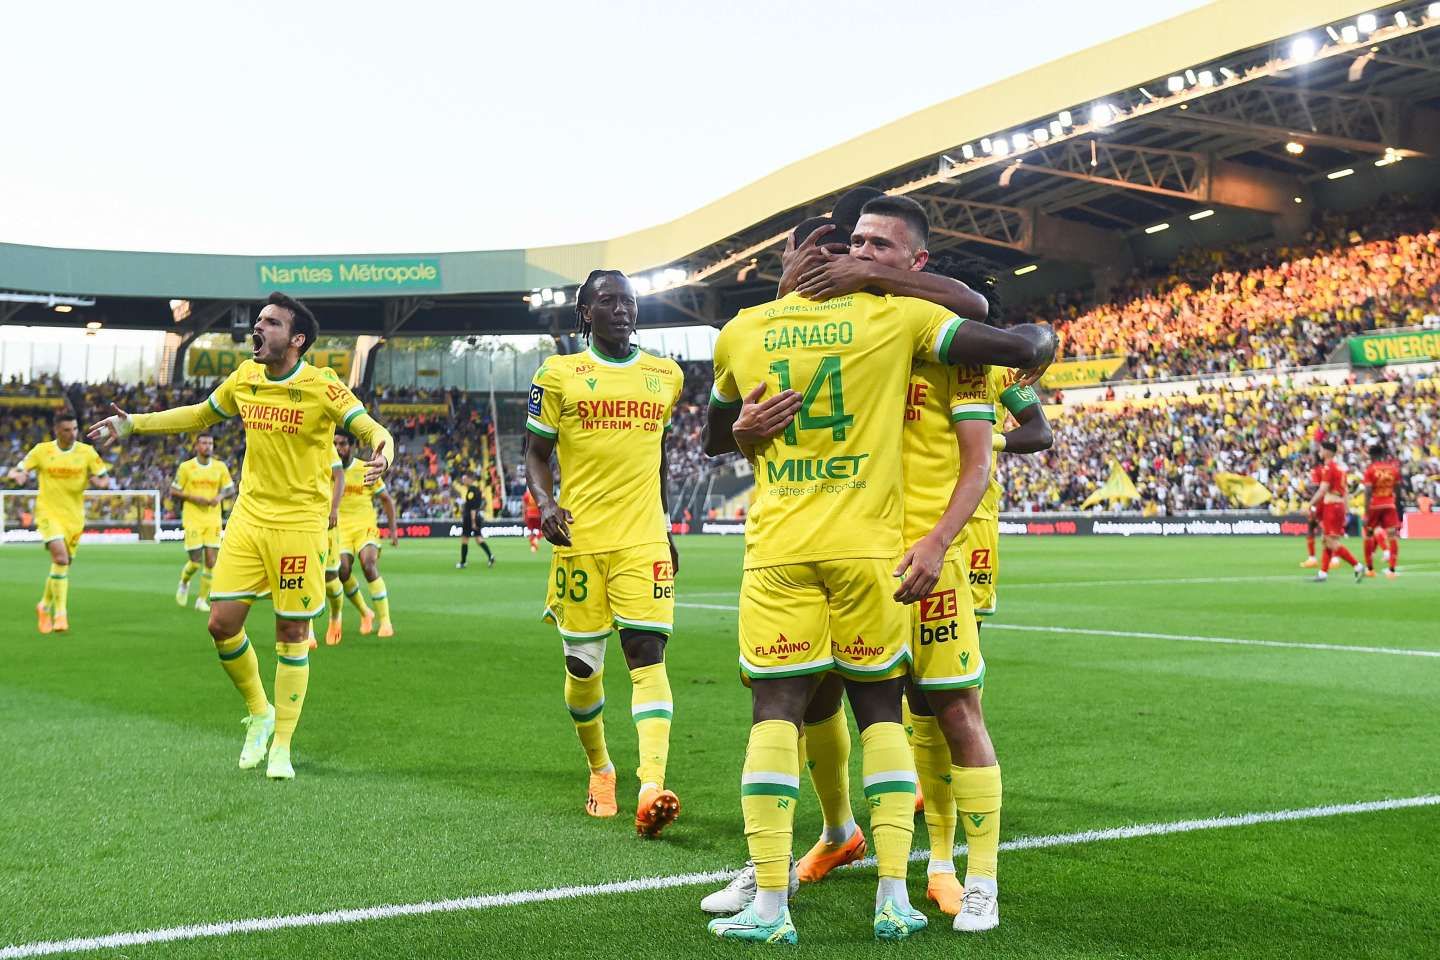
350	275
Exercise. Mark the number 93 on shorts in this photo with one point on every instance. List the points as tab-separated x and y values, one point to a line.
631	589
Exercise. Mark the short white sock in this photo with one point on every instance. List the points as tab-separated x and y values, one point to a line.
940	866
838	835
608	768
769	904
648	786
892	888
987	884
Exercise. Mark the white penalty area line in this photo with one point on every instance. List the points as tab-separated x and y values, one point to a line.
1180	637
227	928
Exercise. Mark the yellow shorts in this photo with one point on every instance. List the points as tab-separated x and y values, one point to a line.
332	550
799	618
944	643
202	535
55	530
355	538
981	542
287	565
629	589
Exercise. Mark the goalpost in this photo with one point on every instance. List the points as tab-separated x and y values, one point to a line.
111	516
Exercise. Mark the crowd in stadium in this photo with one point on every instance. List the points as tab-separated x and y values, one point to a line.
1173	447
1263	306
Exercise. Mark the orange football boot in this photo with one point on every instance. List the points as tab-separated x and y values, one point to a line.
62	622
656	810
367	622
824	857
1309	562
945	891
601	800
387	629
42	613
334	633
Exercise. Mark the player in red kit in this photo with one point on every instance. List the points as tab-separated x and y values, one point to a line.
1382	510
532	521
1330	498
1312	521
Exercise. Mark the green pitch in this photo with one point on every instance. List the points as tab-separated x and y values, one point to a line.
441	764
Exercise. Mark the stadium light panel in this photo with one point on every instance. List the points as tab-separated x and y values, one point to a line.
1202	214
968	152
1207	79
93	325
674	275
1337	174
535	300
1175	84
641	285
1295	148
1299	199
547	295
64	308
1349	34
1303	48
1190	77
559	298
987	146
1101	115
1067	121
1367	23
1433	11
1057	129
1156	228
1333	35
1021	141
1040	135
1401	20
1228	74
1002	147
1028	268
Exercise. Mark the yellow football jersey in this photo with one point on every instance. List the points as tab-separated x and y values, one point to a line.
205	480
1005	396
829	487
938	396
289	440
64	475
608	418
357	503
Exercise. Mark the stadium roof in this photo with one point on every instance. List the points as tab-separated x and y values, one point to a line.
1067	162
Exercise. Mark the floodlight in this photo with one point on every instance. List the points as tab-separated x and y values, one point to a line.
1207	79
1366	22
1202	214
547	295
986	146
1021	142
1101	114
641	285
1349	34
1401	20
1190	77
1175	84
65	308
968	152
1157	228
1303	48
1028	268
1057	129
93	325
1337	174
559	298
1065	118
1294	148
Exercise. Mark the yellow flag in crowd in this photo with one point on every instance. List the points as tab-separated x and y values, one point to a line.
1242	490
1118	486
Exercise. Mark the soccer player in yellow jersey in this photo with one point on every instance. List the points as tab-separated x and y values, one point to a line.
604	413
202	482
822	543
275	543
65	467
360	534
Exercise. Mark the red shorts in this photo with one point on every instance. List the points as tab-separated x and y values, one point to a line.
1386	517
1332	519
532	522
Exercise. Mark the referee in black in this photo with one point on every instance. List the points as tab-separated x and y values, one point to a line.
472	517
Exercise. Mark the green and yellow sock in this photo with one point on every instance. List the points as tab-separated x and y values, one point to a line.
585	699
977	795
47	596
769	791
827	756
352	592
292	678
238	659
59	587
381	598
206	576
334	597
188	571
652	710
932	765
889	778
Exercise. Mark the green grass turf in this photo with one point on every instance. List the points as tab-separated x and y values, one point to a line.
441	764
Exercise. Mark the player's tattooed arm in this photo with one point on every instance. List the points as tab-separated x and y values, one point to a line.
554	519
922	563
1032	432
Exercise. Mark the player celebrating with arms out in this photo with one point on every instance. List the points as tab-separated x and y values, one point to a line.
614	563
276	541
202	482
472	518
360	534
65	467
1383	486
1330	498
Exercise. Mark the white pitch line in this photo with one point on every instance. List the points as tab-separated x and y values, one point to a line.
1182	637
225	928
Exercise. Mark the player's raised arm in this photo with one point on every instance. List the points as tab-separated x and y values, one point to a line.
1032	433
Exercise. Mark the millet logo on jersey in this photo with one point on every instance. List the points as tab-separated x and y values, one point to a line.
782	648
818	468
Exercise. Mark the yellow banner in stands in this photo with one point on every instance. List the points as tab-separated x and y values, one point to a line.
1080	373
209	362
1242	490
402	409
32	403
1118	486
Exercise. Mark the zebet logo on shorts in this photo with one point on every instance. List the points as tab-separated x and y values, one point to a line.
938	607
980	571
292	573
663	572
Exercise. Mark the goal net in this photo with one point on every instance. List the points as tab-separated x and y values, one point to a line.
111	516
